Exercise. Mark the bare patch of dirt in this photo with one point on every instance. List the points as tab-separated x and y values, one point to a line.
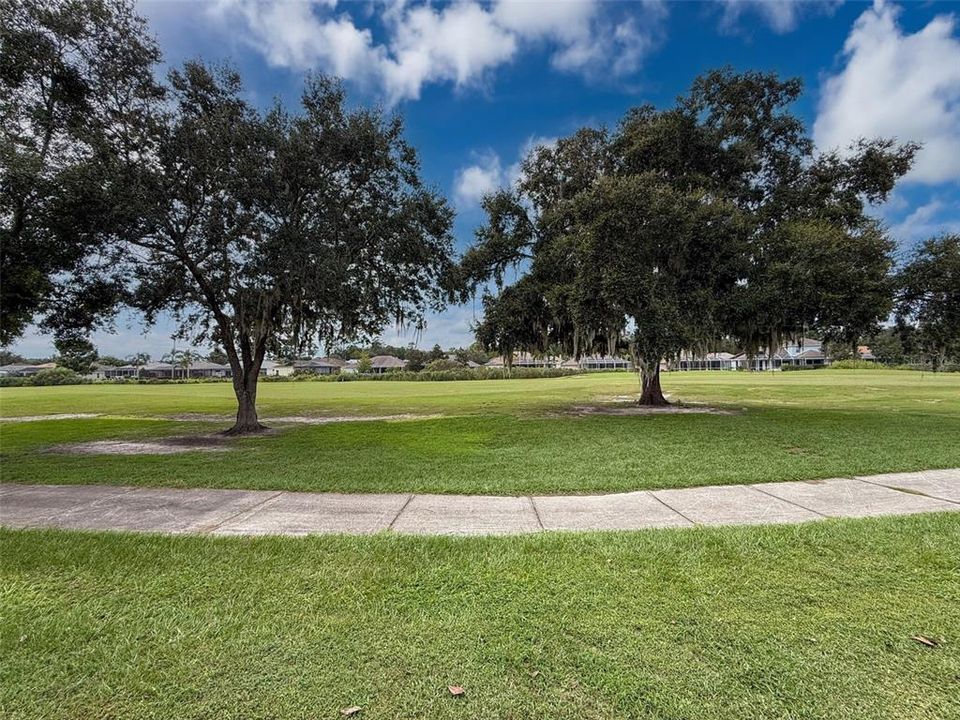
196	417
56	416
161	446
302	419
325	420
629	410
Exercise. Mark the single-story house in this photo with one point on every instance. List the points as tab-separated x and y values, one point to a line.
203	368
865	353
525	359
709	361
380	364
805	352
158	370
319	366
170	371
271	368
113	372
604	362
350	367
21	370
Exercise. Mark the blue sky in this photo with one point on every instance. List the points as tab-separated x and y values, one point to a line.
479	82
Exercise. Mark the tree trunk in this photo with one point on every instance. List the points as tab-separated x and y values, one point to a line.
650	392
245	387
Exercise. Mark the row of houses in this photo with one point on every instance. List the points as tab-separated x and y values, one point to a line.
270	368
806	352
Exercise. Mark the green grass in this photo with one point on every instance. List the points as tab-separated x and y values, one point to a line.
504	437
810	621
851	389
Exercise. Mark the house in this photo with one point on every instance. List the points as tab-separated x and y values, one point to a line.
865	353
709	361
319	366
805	352
157	371
271	368
596	362
604	362
203	368
351	367
170	371
21	370
114	372
525	360
380	364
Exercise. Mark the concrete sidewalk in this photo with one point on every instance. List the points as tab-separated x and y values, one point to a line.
248	512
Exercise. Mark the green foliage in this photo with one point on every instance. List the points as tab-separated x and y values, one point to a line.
363	363
710	219
887	346
76	352
218	356
264	231
929	299
441	364
76	91
856	364
50	376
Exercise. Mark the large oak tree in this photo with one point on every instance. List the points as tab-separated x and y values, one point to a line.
929	298
270	230
713	218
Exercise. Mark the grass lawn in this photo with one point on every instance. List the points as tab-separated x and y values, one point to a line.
504	437
810	621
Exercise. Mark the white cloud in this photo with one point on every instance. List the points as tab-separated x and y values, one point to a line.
289	33
929	220
482	177
781	16
905	86
488	173
459	43
555	20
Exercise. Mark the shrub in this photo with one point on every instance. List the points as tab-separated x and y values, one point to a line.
55	376
856	364
442	365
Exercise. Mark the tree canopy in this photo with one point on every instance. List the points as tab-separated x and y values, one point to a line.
75	77
260	231
712	218
270	230
929	298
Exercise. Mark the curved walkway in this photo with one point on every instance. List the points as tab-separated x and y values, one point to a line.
248	512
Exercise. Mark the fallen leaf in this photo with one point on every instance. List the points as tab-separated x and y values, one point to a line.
534	673
23	638
455	690
351	711
923	640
